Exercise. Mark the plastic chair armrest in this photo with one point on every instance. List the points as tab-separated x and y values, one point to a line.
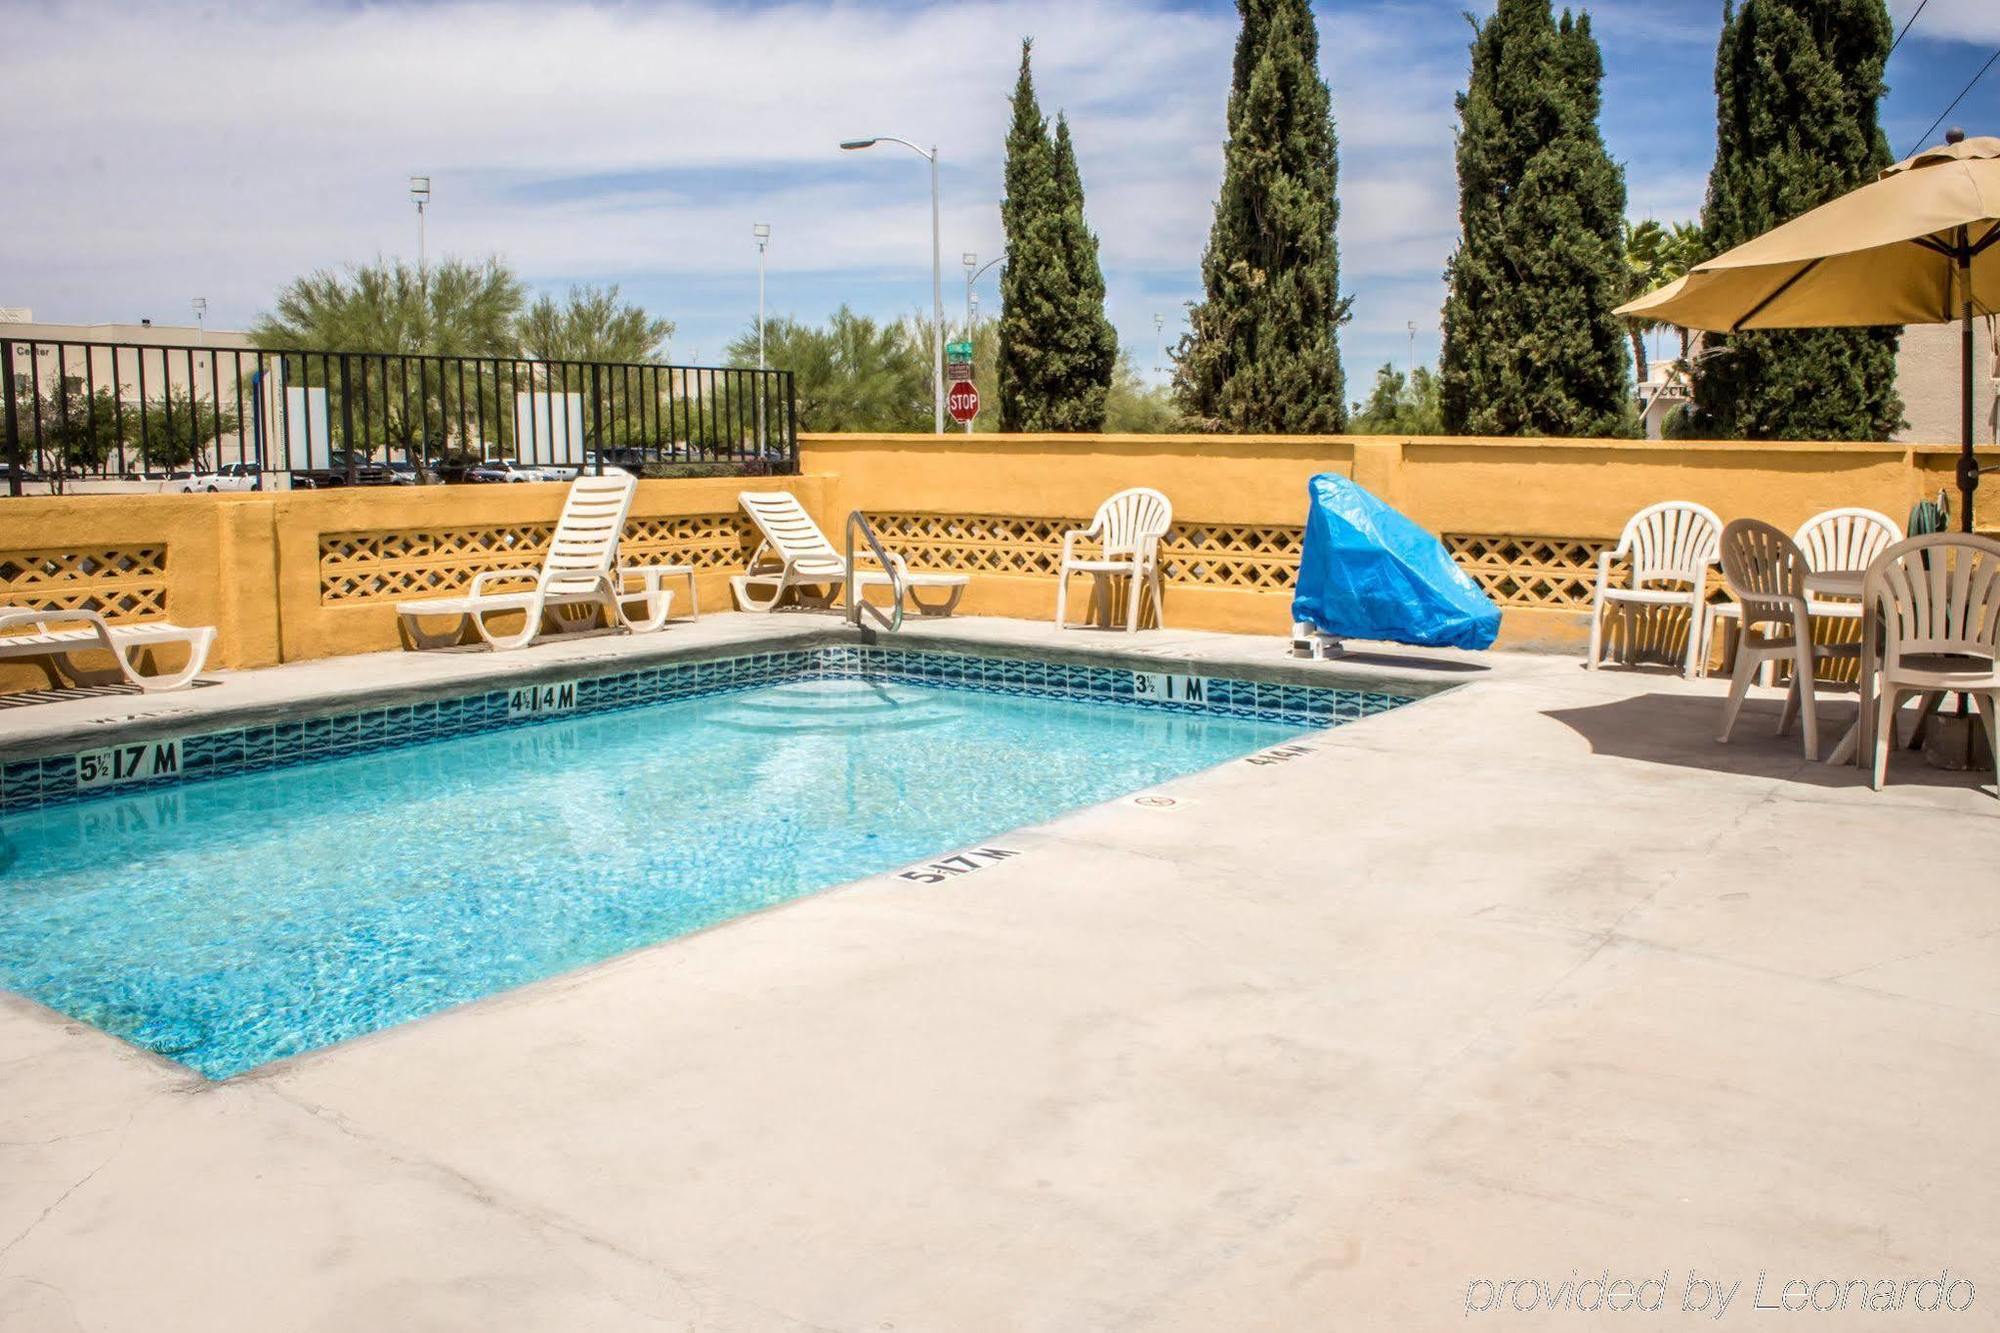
484	576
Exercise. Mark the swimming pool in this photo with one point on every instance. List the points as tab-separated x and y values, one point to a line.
232	908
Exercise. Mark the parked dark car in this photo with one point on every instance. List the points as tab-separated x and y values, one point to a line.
367	472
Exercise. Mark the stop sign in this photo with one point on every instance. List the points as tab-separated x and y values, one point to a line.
962	402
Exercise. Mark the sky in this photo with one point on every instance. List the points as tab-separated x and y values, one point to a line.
163	152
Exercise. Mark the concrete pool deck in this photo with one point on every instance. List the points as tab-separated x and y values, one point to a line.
1527	978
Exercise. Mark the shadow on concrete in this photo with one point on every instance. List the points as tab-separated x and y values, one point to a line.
1403	662
1679	730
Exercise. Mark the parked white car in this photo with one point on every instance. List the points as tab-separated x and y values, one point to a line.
229	477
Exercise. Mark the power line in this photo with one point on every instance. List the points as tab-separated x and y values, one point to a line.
1924	138
1907	25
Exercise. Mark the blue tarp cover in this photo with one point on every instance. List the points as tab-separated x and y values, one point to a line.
1367	572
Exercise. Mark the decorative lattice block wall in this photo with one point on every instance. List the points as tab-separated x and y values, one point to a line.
1554	572
404	563
1210	555
1551	572
121	583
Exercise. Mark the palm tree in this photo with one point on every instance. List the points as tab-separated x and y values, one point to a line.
1657	255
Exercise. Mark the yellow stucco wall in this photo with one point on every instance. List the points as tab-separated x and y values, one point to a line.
278	573
251	564
1561	489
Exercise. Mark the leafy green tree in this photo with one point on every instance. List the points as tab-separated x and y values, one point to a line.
592	325
1797	86
1531	346
1262	353
1400	404
453	308
80	430
1134	407
176	429
1058	352
853	374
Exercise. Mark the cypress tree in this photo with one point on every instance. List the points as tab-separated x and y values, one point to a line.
1024	314
1530	344
1090	344
1058	352
1797	83
1262	352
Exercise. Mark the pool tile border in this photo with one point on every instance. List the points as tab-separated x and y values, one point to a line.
28	784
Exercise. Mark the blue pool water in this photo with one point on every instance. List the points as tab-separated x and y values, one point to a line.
235	921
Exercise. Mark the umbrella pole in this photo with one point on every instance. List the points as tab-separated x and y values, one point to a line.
1968	466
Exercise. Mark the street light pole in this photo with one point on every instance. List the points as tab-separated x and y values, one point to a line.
1159	344
937	272
762	232
200	313
420	194
971	261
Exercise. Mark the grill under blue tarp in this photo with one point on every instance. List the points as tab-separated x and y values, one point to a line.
1367	572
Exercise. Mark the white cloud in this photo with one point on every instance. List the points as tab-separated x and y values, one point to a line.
162	151
1958	20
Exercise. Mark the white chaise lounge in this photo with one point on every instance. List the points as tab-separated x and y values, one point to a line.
27	632
581	569
795	556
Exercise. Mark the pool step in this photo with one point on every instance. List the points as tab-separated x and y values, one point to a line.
832	705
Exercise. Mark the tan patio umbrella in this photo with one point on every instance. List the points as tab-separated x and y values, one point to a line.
1916	246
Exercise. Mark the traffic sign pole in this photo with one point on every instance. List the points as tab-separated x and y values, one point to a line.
958	372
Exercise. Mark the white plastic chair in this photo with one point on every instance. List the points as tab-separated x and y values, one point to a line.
1128	530
1844	539
1671	546
1838	540
795	555
1935	630
32	632
580	569
1766	572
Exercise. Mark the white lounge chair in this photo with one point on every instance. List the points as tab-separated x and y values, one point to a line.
1936	630
796	557
31	632
1128	530
1671	546
580	569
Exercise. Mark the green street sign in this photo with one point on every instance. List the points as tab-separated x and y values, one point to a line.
958	351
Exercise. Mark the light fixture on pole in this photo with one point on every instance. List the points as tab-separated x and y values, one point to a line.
762	232
937	272
420	194
200	304
971	262
1159	344
975	275
1412	326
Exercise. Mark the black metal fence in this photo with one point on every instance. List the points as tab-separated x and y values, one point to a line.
221	418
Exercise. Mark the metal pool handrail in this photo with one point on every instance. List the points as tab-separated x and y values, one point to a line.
857	605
